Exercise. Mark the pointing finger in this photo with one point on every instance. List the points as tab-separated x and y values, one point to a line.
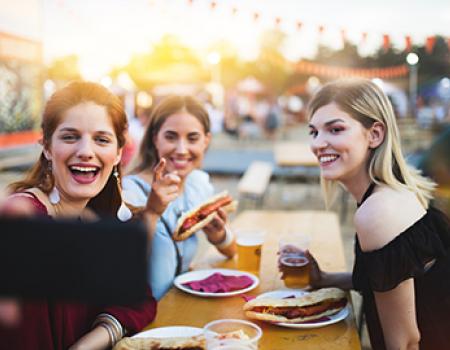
159	169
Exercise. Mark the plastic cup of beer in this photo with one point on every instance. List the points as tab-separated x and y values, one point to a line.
232	334
293	262
249	244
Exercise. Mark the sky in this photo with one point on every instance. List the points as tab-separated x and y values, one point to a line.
105	33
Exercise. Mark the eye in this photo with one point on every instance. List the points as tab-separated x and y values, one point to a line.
194	138
313	132
102	139
336	130
170	137
69	137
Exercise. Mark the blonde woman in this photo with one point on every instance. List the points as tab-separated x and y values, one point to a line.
402	244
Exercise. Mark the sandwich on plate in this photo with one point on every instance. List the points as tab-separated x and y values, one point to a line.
309	307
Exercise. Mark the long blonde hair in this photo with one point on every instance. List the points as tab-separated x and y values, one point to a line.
364	101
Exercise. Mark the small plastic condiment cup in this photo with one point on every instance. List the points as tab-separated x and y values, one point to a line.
224	335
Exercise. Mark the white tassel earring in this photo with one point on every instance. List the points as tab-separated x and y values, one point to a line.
54	193
124	213
54	196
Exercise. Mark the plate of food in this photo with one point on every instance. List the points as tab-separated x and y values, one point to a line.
299	308
216	283
174	337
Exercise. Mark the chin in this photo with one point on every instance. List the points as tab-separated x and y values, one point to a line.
330	176
84	194
184	173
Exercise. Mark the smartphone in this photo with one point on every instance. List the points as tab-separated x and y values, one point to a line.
100	262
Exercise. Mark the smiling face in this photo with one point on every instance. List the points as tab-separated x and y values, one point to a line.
83	151
182	141
341	144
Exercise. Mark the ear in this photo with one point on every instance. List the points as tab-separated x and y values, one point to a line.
376	135
119	156
207	139
47	153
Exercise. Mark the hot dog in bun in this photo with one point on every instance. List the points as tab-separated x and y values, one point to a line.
312	306
199	217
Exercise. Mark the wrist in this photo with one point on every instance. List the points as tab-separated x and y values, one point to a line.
154	205
111	325
225	241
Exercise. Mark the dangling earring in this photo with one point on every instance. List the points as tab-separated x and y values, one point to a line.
54	196
54	193
124	213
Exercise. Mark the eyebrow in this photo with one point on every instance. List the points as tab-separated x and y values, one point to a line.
103	132
176	133
330	122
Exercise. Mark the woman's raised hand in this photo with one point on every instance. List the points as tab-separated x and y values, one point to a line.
215	230
316	276
165	188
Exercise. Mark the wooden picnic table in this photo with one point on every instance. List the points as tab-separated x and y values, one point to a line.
289	154
179	308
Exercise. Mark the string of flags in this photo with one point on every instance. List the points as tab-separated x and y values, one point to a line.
298	25
386	41
323	70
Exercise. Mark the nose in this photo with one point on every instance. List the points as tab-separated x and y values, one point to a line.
85	149
181	147
318	143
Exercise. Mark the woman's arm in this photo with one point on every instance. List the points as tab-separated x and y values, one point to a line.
322	279
97	339
116	321
397	313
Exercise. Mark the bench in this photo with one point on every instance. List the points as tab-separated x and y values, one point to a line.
255	181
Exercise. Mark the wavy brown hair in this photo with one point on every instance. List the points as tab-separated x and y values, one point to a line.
108	200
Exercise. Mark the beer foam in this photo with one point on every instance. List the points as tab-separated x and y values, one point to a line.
250	241
294	261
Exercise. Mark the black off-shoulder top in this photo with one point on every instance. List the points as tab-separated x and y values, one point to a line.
421	252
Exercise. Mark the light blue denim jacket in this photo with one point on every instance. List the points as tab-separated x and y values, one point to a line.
163	259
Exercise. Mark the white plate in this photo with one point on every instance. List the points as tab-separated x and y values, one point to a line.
173	331
201	274
298	293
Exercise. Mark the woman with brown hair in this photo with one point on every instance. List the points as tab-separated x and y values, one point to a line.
167	178
76	176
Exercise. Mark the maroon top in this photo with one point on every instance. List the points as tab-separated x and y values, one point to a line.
54	325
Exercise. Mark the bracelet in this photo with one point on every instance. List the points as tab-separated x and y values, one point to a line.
112	325
229	238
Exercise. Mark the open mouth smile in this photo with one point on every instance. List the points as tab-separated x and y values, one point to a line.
180	163
84	174
327	159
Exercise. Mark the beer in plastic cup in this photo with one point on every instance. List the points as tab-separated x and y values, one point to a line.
294	264
249	244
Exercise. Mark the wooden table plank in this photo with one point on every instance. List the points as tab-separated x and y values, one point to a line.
179	308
